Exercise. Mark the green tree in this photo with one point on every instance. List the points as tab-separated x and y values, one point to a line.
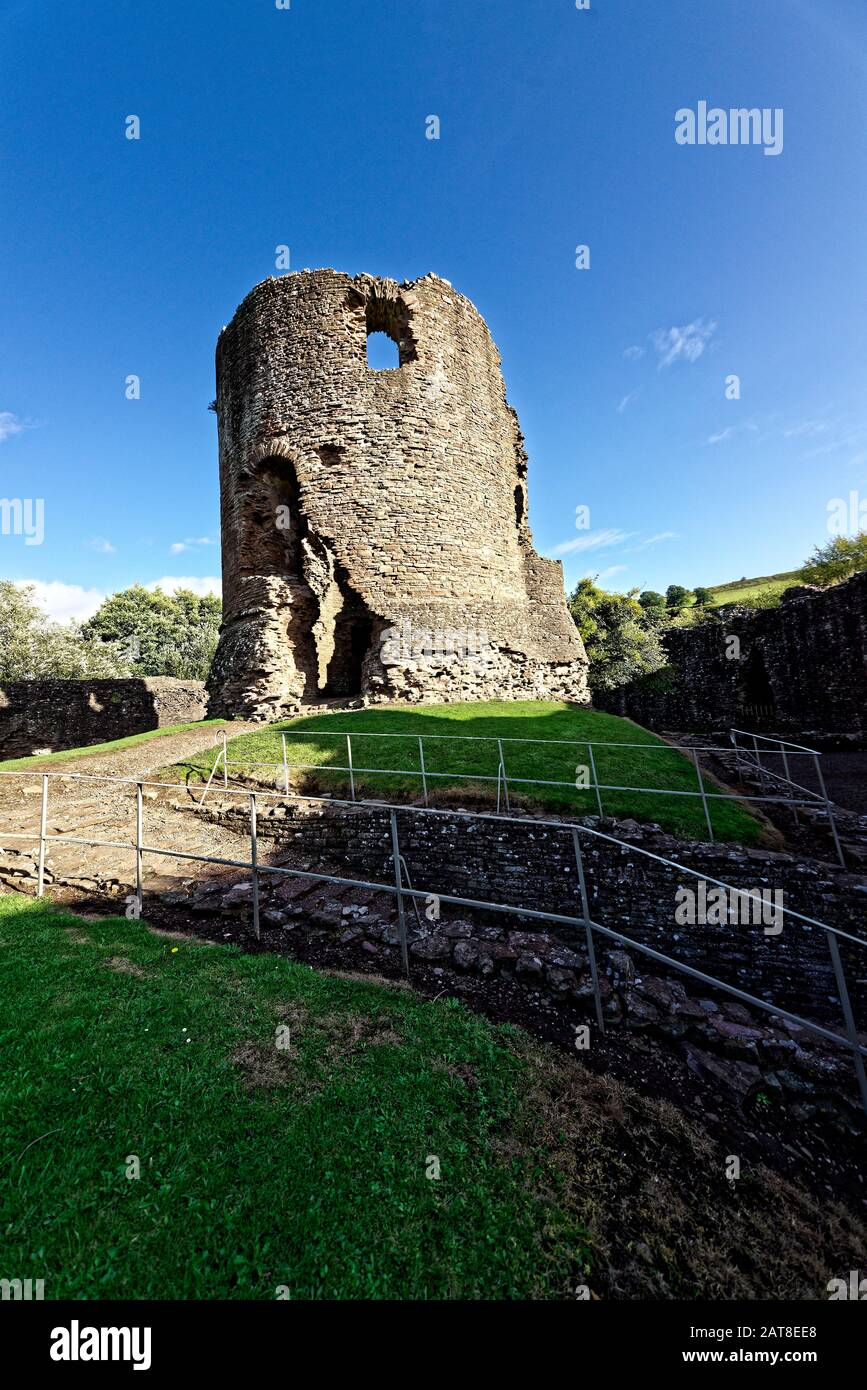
162	634
651	601
703	597
676	596
838	559
620	646
33	648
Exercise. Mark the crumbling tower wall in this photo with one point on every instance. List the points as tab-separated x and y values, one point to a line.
374	522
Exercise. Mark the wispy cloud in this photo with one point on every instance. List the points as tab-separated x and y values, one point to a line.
686	343
593	540
627	401
178	547
633	353
655	539
101	546
728	433
210	584
10	425
610	572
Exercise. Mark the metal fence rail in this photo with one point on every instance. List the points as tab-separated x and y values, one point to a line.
792	794
402	890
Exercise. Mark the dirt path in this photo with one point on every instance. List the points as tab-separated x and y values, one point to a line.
81	807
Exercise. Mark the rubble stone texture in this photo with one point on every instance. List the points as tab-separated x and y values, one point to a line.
374	522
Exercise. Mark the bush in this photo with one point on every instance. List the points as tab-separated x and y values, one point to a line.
620	645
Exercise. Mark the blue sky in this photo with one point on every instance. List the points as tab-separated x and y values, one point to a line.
306	127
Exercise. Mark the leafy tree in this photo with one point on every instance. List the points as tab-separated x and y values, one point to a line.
162	634
838	559
651	601
33	648
703	597
620	646
676	596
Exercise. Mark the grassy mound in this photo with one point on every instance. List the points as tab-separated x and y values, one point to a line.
318	741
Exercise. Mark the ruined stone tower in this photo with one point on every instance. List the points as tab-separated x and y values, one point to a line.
374	523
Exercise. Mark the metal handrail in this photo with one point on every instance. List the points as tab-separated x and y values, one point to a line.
403	890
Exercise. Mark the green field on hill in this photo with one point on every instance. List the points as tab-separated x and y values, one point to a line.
764	586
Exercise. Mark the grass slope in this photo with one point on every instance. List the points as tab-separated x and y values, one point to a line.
91	749
739	590
304	1170
311	741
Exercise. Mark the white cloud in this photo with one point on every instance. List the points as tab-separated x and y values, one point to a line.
64	601
687	342
178	547
627	400
9	425
610	572
594	540
633	353
101	545
169	583
732	429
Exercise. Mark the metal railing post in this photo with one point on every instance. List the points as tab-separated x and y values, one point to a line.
351	772
254	864
502	771
788	777
759	764
285	766
703	794
398	883
828	810
423	768
43	819
139	818
595	778
849	1017
585	911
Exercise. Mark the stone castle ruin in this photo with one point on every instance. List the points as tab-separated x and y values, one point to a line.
374	522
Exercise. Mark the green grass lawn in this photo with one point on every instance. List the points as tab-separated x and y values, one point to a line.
260	1167
311	741
66	754
302	1171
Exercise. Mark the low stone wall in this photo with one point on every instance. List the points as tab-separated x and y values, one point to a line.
50	715
532	865
800	666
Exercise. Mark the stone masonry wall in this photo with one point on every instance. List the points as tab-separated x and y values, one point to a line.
55	714
531	865
374	523
804	665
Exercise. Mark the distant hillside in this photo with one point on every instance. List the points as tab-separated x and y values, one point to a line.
769	586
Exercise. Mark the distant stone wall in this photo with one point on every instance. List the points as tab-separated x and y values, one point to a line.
50	715
800	666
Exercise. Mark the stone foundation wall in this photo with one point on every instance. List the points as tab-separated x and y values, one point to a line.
533	866
50	715
801	666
